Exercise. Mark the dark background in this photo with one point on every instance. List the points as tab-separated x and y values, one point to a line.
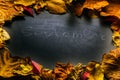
49	38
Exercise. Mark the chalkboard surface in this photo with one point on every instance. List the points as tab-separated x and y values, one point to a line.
49	38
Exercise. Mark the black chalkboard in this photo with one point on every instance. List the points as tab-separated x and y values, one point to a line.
49	38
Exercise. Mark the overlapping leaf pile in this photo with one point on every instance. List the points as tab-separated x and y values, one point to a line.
12	67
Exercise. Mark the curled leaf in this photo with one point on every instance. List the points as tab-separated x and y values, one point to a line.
28	10
25	2
24	70
95	4
3	36
9	64
116	38
8	10
111	64
61	71
36	67
89	4
95	70
112	9
40	4
56	6
76	72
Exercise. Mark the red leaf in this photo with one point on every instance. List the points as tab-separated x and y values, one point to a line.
28	10
85	75
36	67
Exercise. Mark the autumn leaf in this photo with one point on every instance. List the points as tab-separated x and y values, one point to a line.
40	4
9	64
95	4
89	4
25	2
36	67
28	10
113	9
95	71
111	64
4	36
76	72
8	10
61	71
56	6
116	38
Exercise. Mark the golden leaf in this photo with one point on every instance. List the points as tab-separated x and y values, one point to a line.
24	70
116	38
8	11
25	2
89	4
95	4
96	71
111	64
3	36
39	5
9	64
56	6
113	9
76	72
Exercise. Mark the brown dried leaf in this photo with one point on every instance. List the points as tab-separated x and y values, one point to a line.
9	64
95	4
47	74
111	64
116	38
89	4
56	6
76	72
61	71
113	9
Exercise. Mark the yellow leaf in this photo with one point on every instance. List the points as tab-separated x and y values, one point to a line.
95	4
3	36
25	2
56	6
9	64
